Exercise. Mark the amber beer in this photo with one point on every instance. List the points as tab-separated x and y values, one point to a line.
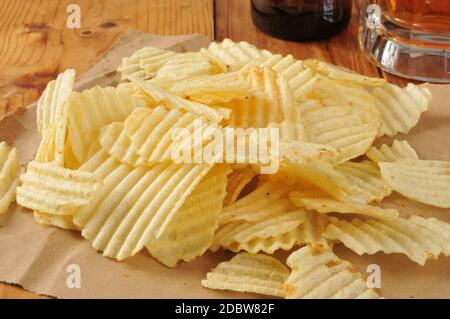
420	15
301	20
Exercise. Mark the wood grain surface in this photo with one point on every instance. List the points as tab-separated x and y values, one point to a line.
35	44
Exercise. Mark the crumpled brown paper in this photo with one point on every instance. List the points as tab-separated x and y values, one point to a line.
37	257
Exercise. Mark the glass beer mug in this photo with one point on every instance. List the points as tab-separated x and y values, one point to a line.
409	38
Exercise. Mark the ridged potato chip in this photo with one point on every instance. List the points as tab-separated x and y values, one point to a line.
237	182
237	236
214	89
171	101
268	199
158	135
52	118
398	150
400	108
246	272
134	205
317	273
300	79
366	177
310	231
144	63
328	205
9	175
50	188
191	231
189	65
114	141
92	109
271	102
60	221
414	237
427	182
342	74
349	129
237	54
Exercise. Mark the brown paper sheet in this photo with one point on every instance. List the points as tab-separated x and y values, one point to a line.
36	257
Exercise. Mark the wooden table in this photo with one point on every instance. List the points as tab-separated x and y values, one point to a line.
35	44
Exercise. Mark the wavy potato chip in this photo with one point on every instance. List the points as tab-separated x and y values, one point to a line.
189	65
50	188
60	221
237	236
52	118
134	205
398	150
191	231
342	74
310	231
317	273
246	272
268	199
158	135
400	108
9	175
92	109
144	63
114	141
237	181
328	205
159	96
301	79
236	54
414	238
349	129
427	182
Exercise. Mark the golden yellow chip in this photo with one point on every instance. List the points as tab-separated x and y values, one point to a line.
366	177
398	150
92	109
134	204
60	221
317	273
414	238
213	89
9	175
301	80
237	54
268	199
400	109
246	272
52	118
237	181
310	231
427	182
49	188
238	235
114	141
191	231
144	63
328	205
189	65
342	74
161	97
349	129
158	135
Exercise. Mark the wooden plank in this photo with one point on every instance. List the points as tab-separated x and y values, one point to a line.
36	44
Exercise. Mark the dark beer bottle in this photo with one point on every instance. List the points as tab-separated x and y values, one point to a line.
301	20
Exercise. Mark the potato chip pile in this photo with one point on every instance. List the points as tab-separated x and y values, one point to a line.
104	168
